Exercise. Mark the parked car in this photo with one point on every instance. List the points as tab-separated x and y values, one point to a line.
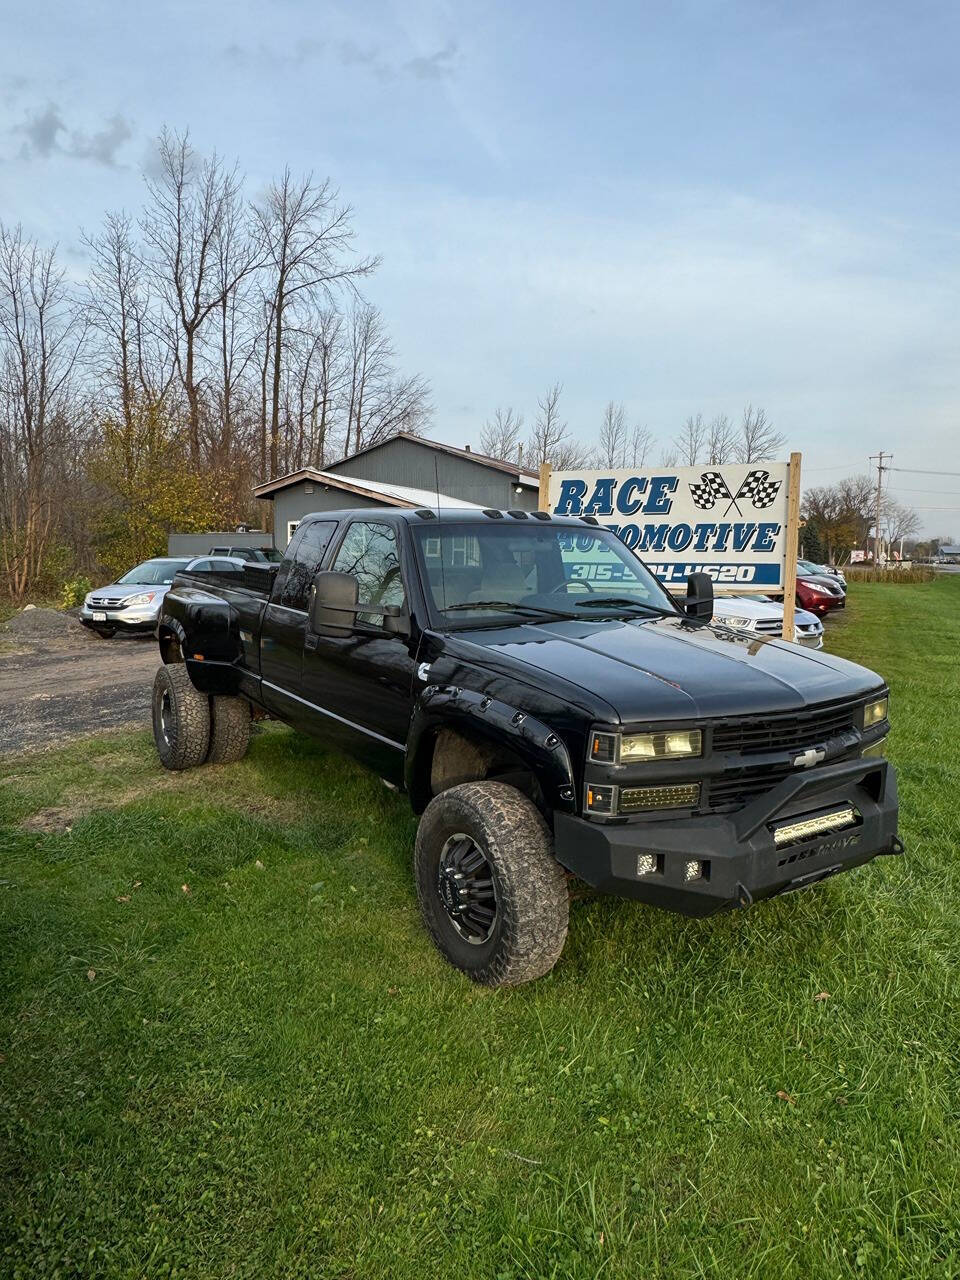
132	603
548	708
265	555
765	618
820	594
807	567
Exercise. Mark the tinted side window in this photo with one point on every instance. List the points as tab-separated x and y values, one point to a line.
304	562
371	554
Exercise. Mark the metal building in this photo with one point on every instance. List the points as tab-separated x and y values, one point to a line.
402	471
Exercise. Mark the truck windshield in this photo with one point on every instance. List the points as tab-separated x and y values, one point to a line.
476	573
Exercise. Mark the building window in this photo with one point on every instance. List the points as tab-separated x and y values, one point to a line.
292	527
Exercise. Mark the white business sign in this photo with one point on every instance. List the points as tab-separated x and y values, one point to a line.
727	521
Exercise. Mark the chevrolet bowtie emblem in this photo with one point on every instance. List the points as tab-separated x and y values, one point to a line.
807	759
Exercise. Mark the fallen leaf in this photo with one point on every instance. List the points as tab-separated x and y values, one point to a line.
124	897
822	995
3	1057
258	864
185	888
392	991
841	1100
91	974
138	884
786	1097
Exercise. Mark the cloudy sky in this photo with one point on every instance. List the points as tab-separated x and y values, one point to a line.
685	206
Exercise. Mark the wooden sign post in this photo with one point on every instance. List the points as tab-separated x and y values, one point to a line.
543	498
792	542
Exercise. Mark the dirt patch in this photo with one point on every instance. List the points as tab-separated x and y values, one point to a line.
71	684
52	822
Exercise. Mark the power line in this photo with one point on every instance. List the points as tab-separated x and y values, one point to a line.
843	466
915	471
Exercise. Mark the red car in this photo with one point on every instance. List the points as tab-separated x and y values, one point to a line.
820	595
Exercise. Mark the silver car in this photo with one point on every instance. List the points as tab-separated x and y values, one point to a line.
132	603
765	617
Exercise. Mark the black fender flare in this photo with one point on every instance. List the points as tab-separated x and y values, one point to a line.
479	715
170	629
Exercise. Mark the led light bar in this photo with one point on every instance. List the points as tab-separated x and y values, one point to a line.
822	824
682	796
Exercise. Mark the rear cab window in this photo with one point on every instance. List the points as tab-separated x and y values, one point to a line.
303	561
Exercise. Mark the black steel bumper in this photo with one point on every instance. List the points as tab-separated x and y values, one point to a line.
744	863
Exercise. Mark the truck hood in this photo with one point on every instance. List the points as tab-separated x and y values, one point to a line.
669	668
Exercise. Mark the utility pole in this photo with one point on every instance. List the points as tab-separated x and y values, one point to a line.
878	457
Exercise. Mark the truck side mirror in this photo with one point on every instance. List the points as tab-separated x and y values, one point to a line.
699	602
333	603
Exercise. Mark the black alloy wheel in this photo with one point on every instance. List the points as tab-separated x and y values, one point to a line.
467	889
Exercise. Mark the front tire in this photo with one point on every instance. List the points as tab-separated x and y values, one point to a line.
181	719
493	897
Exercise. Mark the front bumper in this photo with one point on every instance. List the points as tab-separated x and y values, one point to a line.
134	621
745	864
810	639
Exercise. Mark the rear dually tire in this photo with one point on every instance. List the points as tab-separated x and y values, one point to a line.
181	719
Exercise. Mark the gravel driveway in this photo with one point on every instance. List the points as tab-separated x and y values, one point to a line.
59	681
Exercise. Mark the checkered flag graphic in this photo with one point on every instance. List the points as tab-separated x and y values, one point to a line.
711	487
759	488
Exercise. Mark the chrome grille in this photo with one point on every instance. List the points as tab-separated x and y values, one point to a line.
107	602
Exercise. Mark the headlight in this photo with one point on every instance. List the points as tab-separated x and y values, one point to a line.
874	712
612	748
143	598
876	748
660	746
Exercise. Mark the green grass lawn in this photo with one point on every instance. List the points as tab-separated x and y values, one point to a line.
228	1048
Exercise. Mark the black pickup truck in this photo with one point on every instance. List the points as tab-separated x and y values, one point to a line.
549	709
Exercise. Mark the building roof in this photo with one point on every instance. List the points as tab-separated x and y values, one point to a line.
390	495
529	479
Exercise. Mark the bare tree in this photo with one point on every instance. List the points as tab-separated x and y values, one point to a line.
898	521
41	331
130	361
758	442
189	204
669	458
721	441
612	447
550	441
689	444
307	239
501	436
641	442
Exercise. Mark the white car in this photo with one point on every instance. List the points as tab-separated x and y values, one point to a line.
765	617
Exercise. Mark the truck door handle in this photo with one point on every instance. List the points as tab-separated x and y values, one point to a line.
310	642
